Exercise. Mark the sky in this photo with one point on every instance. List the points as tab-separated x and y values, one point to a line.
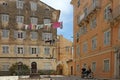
66	16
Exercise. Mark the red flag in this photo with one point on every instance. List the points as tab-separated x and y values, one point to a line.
56	24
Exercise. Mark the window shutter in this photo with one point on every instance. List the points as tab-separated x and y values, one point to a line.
38	50
24	49
43	36
104	37
15	34
24	34
3	33
15	49
30	50
7	33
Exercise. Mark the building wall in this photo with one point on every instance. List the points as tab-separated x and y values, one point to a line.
64	53
102	51
43	11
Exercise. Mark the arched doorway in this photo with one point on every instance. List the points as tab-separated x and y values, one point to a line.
33	67
60	69
19	67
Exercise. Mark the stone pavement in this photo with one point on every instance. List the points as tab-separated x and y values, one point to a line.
60	77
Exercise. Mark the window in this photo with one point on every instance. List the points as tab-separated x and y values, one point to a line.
84	29
94	3
107	12
47	51
67	48
34	20
47	66
78	3
34	35
5	18
5	33
47	21
93	66
46	36
5	4
78	50
85	46
94	43
34	50
107	37
19	34
106	65
77	36
20	50
78	68
33	6
85	11
20	19
5	49
93	23
5	66
19	4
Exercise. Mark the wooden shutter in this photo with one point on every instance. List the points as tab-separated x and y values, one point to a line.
15	34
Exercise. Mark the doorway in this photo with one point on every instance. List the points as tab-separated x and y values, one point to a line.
33	67
71	70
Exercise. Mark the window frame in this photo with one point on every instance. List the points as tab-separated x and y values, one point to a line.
94	44
7	50
34	20
46	50
85	47
20	50
108	66
93	67
78	3
33	35
107	39
4	35
19	4
19	19
4	17
33	6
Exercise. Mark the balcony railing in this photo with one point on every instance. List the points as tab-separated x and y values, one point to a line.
116	12
80	18
91	9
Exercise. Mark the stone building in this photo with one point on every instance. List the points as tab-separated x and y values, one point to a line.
25	34
97	37
64	55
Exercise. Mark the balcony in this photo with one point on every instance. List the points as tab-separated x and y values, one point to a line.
80	19
93	7
116	13
91	10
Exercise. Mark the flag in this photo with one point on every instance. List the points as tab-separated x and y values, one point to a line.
57	25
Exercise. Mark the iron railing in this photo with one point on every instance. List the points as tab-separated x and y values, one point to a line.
94	6
116	12
91	9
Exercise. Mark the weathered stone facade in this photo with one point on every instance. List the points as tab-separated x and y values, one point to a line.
65	55
43	11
